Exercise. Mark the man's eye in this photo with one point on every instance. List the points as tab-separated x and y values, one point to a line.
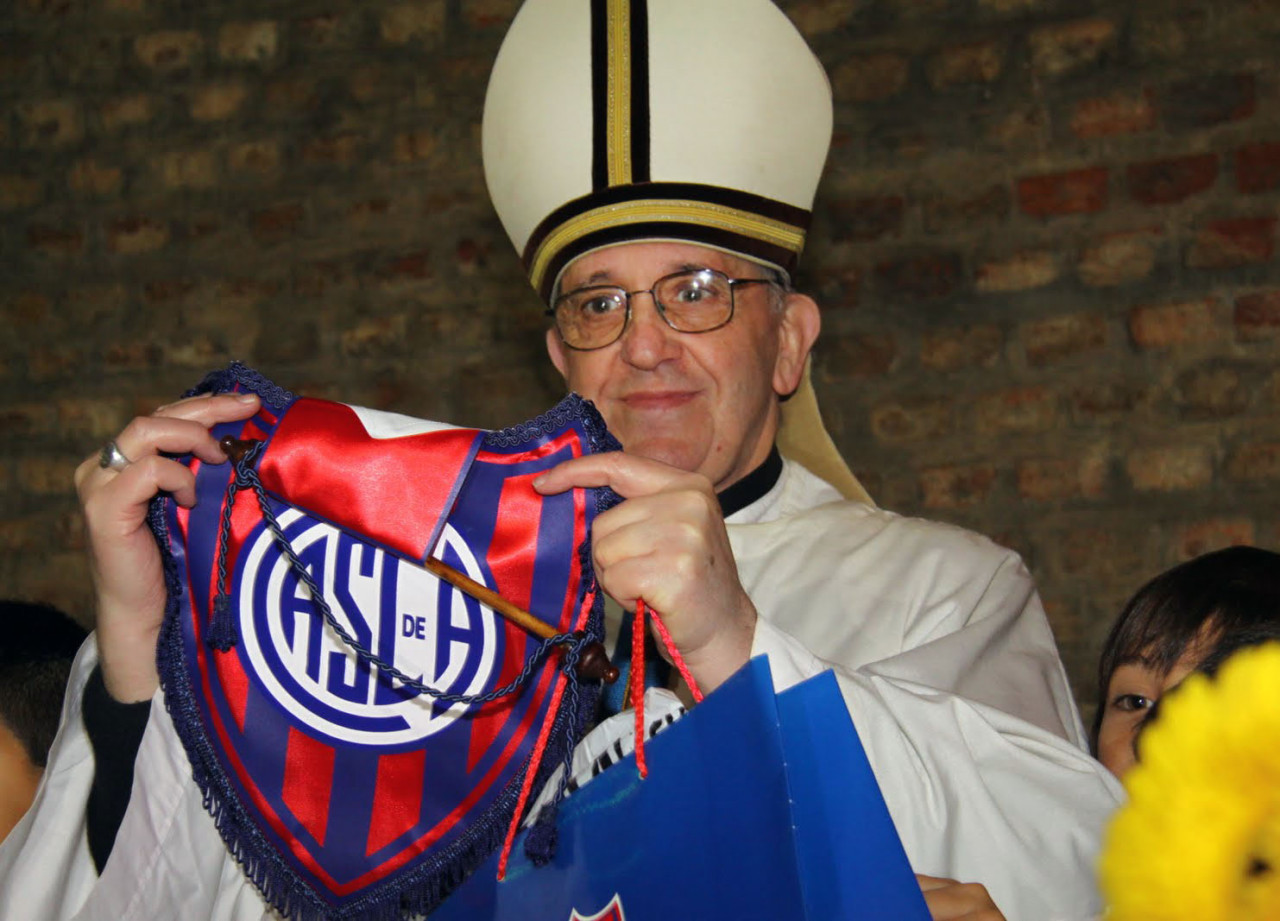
597	306
1132	703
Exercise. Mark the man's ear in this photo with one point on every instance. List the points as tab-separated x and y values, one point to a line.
555	348
797	331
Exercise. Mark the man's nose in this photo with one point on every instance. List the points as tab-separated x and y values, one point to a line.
648	340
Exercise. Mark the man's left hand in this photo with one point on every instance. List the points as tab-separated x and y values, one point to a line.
667	544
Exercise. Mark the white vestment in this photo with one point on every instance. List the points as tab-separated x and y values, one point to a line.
942	652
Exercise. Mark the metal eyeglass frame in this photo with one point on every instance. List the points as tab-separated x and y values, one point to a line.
661	308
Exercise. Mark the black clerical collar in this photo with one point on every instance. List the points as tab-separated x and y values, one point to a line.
752	486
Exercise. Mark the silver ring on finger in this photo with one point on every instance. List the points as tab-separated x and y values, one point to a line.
112	458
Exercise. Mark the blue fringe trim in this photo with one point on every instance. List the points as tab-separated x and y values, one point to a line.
430	883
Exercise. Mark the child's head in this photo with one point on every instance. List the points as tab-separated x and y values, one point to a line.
1186	619
37	644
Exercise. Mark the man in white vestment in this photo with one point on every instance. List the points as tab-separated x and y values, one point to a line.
655	164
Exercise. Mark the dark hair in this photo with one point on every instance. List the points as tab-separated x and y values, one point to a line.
1234	593
37	644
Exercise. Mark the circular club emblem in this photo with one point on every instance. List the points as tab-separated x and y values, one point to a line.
427	629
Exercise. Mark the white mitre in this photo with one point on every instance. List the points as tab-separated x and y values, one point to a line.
694	121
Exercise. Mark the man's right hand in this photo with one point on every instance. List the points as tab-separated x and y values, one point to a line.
949	900
125	562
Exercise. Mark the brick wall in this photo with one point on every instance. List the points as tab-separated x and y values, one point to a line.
1044	246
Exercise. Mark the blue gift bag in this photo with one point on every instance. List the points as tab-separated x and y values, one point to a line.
756	806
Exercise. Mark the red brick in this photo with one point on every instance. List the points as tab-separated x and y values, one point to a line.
1257	315
957	486
871	77
92	178
1065	48
1118	258
974	62
1054	479
1109	402
859	355
18	192
1162	182
1170	469
962	211
1023	126
134	235
372	213
860	220
187	169
168	53
248	42
336	150
1114	114
413	21
375	336
413	146
1233	242
1201	537
87	418
1056	338
47	475
261	157
1018	409
55	241
315	279
902	421
1257	461
1160	326
1208	101
276	223
50	123
921	277
488	14
26	310
1212	391
217	102
965	347
126	112
405	269
1258	167
1100	555
1019	272
1076	192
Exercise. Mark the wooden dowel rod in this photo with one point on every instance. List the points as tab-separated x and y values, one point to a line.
593	663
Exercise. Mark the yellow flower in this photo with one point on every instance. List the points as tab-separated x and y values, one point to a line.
1199	839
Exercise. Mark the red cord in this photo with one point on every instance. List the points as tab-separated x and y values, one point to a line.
675	656
637	683
535	759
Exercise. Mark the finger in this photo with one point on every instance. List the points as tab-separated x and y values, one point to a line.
685	513
211	408
120	506
183	429
627	475
929	883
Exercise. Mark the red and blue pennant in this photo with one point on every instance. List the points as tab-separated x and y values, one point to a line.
364	732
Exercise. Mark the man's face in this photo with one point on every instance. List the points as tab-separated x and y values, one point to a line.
704	402
18	780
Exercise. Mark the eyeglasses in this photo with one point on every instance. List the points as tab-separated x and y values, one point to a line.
695	301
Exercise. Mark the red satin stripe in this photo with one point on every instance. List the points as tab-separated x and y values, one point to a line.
235	683
308	781
405	486
397	798
512	553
